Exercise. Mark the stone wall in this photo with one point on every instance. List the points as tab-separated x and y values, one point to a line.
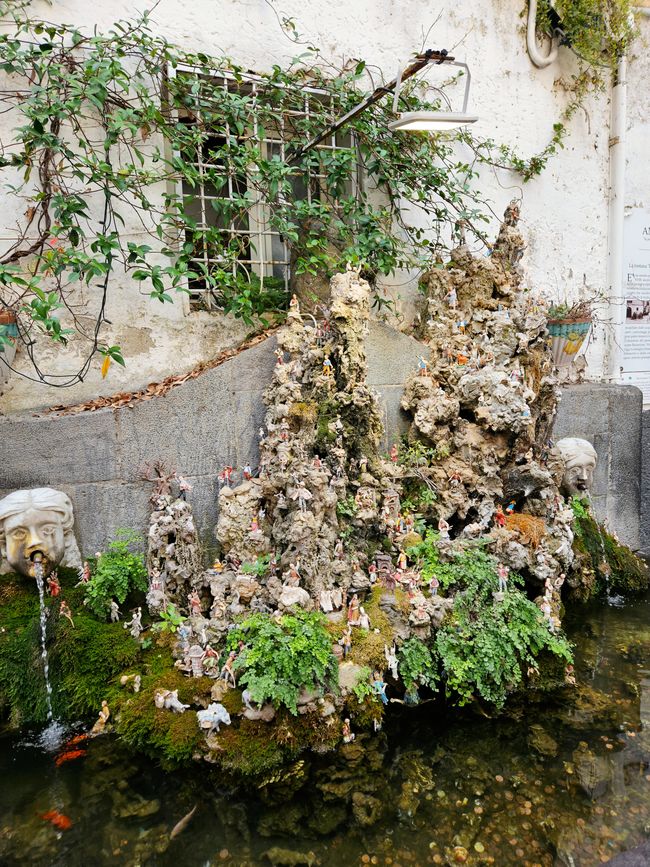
199	427
609	416
213	420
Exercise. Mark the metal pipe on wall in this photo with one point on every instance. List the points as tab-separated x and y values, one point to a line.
540	60
616	218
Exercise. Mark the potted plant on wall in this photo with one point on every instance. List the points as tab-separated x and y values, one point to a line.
568	325
8	327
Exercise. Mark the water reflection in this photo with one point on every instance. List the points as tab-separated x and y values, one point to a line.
566	783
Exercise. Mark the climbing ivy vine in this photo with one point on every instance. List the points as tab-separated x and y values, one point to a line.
101	162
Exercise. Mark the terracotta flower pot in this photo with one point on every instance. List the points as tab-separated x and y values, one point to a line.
7	317
567	337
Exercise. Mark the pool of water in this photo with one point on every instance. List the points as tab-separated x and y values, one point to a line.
563	783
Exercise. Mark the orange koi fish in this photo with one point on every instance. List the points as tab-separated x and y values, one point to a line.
68	756
59	820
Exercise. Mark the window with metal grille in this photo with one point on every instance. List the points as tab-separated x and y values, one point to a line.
232	228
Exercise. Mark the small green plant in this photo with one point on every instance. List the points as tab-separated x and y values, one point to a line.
259	567
485	645
576	312
416	454
170	620
470	566
283	656
418	665
362	689
347	508
118	572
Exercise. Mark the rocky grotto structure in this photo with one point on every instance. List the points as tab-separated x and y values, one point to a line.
347	578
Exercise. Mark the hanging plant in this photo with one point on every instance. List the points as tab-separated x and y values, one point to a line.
598	31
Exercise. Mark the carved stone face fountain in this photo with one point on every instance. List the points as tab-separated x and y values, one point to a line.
579	458
37	522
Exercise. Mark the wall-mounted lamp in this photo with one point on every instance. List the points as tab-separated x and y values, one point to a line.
412	120
432	121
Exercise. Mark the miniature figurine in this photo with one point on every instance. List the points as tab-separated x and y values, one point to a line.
510	507
136	678
402	561
227	672
102	719
196	660
433	585
346	641
184	633
452	298
135	624
462	358
346	731
372	573
499	517
412	696
339	550
455	479
64	611
379	687
328	367
184	487
461	325
247	472
168	699
284	430
391	658
115	611
502	574
281	500
443	528
217	567
423	366
194	602
302	495
353	610
84	575
53	585
211	718
394	453
279	355
292	576
364	620
225	476
569	676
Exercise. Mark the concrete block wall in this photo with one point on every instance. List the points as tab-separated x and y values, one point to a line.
610	417
199	427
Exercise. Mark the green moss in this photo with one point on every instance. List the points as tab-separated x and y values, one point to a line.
170	738
603	564
249	750
84	661
368	647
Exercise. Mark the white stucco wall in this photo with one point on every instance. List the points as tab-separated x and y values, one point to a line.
564	211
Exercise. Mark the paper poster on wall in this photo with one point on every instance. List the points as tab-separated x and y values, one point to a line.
636	289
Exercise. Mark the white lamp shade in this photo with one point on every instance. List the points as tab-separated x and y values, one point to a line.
410	121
